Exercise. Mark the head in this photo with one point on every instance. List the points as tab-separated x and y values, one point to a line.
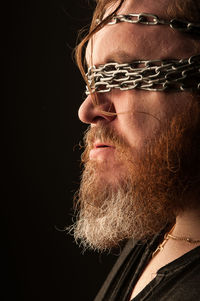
141	158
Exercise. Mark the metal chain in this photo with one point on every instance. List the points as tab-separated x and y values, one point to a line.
149	19
188	239
153	75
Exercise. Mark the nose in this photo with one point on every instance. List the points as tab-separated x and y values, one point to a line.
92	113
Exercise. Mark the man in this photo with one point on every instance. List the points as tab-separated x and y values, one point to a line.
141	163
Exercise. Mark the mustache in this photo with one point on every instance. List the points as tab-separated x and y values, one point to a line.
102	134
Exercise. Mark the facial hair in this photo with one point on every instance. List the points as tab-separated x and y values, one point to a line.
149	188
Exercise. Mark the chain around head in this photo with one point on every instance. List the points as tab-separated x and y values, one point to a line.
153	75
149	19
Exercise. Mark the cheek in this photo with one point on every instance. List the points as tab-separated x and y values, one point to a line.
142	114
139	115
136	127
172	105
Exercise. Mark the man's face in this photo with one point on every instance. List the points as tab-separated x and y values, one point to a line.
119	144
139	113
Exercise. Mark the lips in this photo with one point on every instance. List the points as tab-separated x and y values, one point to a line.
101	151
101	145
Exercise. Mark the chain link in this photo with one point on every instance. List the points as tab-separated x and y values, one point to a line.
149	19
152	75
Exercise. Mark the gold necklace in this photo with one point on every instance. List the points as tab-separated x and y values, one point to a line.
162	244
169	235
188	239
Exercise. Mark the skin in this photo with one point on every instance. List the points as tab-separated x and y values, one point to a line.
144	112
138	42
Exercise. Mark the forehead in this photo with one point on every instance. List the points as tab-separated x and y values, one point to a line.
124	42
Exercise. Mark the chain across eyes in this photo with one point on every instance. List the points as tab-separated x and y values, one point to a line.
152	75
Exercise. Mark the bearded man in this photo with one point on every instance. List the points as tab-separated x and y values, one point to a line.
140	182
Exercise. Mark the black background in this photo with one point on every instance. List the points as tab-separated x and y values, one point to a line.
42	93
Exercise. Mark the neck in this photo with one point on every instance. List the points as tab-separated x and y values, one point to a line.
188	224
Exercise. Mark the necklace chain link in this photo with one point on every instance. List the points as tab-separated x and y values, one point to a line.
169	235
188	239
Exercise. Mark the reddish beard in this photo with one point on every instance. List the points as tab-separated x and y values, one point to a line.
147	192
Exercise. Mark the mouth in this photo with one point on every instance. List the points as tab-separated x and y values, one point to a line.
101	151
102	145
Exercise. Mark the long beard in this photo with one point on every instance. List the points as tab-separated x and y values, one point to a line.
149	189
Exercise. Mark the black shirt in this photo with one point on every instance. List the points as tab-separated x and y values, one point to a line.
177	281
